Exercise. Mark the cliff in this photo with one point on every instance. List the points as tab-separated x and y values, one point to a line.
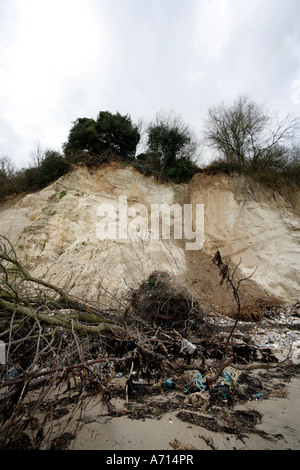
55	232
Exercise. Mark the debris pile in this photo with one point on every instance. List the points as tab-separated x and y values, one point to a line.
163	353
162	300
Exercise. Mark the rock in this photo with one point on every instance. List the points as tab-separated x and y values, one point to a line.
57	236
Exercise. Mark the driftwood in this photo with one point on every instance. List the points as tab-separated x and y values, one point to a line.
45	302
54	339
229	277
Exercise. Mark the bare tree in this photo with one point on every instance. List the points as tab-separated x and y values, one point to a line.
7	167
245	134
227	276
23	302
37	154
7	173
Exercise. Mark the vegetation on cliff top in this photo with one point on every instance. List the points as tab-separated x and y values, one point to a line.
243	137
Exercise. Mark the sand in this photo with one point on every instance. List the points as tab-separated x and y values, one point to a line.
279	428
280	416
57	237
54	231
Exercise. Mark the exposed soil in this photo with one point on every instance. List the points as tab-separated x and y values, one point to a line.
203	280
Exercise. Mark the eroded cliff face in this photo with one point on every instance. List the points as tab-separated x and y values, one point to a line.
253	226
55	232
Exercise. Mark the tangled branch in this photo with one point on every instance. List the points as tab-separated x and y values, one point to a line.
27	297
235	285
62	348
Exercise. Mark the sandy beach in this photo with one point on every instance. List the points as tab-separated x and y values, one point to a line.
259	409
280	417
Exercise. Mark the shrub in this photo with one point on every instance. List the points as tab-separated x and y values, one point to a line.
7	172
110	134
284	176
170	140
53	166
243	133
221	166
182	171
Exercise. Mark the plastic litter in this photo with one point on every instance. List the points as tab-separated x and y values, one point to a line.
228	377
169	384
195	385
220	392
224	388
13	373
186	345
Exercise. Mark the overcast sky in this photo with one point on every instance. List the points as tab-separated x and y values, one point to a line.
64	59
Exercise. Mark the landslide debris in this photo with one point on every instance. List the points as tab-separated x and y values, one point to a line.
159	351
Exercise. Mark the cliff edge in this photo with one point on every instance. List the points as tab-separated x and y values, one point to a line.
55	233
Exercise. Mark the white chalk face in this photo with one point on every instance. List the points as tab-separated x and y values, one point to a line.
135	222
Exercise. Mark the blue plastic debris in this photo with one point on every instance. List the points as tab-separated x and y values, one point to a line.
258	395
13	373
197	383
169	384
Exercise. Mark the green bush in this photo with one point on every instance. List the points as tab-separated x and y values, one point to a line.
285	175
53	166
171	146
221	166
181	172
110	134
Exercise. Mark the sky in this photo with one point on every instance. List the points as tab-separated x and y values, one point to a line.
65	59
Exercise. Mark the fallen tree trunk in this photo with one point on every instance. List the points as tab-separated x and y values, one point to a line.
41	304
63	320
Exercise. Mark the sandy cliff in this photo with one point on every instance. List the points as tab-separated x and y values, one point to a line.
55	231
254	225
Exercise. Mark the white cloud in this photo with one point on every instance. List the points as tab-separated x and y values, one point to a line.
214	26
64	59
54	54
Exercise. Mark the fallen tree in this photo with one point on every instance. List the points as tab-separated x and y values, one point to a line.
56	342
28	297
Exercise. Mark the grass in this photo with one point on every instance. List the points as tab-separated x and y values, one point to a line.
62	194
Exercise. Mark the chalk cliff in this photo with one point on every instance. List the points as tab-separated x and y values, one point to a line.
55	233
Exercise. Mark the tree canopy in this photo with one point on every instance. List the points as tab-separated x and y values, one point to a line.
244	133
171	148
246	138
109	133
